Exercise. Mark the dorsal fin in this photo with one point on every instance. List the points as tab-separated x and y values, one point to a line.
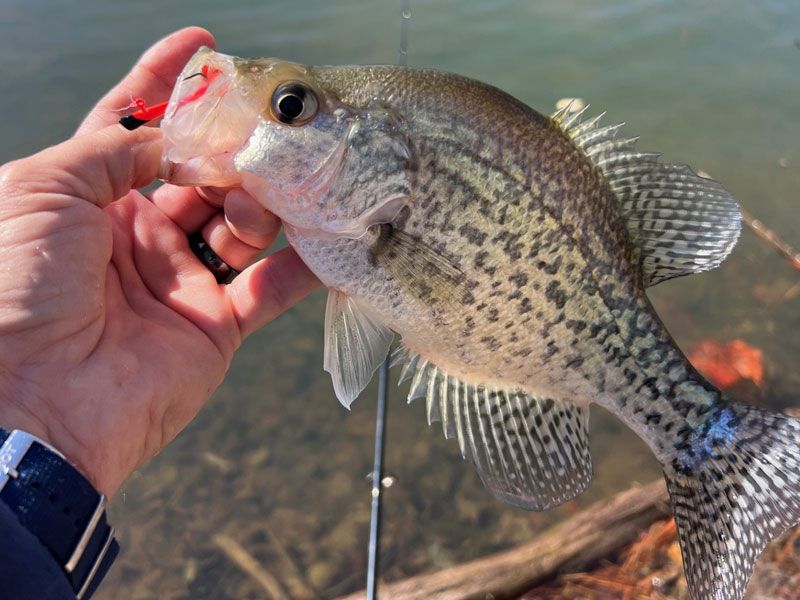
532	453
681	222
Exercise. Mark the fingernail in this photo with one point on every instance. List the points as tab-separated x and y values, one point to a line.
238	194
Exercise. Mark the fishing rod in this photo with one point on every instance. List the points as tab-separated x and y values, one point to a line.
383	390
377	484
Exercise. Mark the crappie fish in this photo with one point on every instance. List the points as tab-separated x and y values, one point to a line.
510	251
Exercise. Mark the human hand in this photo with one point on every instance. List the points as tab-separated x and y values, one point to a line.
112	334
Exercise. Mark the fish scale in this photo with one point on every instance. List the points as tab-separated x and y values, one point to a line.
494	251
510	251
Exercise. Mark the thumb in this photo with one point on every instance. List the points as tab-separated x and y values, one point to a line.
99	167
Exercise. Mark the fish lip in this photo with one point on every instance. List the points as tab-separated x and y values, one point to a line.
190	156
166	168
184	173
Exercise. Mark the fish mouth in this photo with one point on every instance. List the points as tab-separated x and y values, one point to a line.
216	171
210	116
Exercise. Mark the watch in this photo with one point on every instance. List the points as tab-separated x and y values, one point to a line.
59	506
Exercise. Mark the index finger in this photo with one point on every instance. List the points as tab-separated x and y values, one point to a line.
100	167
152	77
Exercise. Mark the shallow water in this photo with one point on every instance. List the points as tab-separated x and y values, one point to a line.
274	461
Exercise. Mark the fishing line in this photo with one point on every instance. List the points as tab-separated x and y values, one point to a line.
383	388
405	20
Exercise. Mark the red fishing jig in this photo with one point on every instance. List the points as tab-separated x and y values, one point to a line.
148	113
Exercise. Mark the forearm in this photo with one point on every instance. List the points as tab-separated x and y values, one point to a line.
27	570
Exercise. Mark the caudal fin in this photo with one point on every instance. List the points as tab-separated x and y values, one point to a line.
739	489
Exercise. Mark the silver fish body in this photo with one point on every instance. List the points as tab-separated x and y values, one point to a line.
510	251
541	290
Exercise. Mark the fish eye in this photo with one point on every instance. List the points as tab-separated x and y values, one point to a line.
294	103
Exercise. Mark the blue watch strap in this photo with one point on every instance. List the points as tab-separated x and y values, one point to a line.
59	506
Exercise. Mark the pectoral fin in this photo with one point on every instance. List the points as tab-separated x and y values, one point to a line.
355	346
426	273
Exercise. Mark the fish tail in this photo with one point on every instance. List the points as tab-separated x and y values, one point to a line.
734	487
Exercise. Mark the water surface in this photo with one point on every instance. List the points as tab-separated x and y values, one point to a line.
274	461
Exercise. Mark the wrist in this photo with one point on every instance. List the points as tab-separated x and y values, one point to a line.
59	507
20	415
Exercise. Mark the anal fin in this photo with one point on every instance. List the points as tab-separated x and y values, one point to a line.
529	452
